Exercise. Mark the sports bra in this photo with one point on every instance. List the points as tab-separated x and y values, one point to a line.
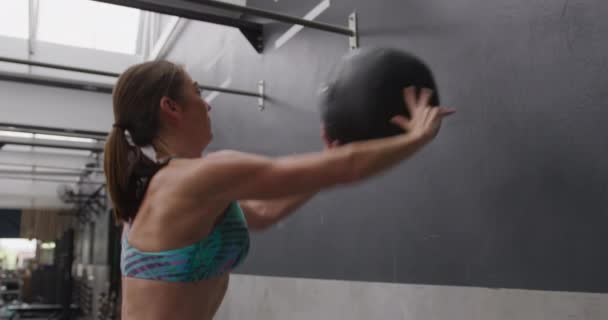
221	251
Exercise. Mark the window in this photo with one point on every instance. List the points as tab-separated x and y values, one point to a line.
14	18
88	24
13	253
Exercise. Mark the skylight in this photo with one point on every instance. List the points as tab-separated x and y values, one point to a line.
88	24
14	21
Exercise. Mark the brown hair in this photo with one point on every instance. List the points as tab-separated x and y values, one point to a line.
136	103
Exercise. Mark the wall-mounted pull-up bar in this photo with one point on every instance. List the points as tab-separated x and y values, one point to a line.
277	17
254	32
98	87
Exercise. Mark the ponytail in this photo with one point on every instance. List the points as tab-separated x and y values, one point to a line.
128	173
119	173
135	100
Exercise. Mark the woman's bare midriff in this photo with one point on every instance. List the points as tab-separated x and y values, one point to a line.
156	300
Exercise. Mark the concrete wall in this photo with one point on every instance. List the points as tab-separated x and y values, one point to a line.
511	195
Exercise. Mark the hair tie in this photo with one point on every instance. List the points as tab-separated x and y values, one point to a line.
150	153
129	138
148	150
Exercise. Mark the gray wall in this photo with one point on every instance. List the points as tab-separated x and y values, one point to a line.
513	192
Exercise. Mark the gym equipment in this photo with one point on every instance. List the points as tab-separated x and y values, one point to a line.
215	12
98	87
39	136
366	91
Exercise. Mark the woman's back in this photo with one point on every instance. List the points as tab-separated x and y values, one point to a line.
169	226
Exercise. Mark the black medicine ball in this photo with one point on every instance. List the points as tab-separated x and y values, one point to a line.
366	91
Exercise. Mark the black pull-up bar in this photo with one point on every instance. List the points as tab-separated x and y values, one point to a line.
276	16
254	32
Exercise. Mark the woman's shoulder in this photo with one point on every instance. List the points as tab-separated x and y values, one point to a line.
178	188
182	174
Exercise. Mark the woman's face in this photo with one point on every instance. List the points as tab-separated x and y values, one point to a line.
196	122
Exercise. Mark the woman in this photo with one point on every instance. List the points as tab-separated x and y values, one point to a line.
187	217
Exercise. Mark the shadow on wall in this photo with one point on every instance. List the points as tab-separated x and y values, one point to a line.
277	103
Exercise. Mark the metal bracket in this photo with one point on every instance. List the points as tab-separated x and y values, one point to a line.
255	38
353	41
261	91
33	25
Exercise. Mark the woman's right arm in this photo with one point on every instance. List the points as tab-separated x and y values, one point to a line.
231	175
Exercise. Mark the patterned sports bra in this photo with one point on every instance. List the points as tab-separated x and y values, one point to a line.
223	250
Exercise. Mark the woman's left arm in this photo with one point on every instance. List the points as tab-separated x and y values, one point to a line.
261	214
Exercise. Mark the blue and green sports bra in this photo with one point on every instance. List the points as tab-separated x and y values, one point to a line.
223	250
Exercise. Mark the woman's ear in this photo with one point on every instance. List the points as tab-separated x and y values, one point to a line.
169	109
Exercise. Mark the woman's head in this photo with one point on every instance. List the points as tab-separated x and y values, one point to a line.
157	104
157	101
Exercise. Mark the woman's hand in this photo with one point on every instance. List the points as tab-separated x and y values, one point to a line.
425	120
328	144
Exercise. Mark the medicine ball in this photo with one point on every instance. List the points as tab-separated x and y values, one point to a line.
366	90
